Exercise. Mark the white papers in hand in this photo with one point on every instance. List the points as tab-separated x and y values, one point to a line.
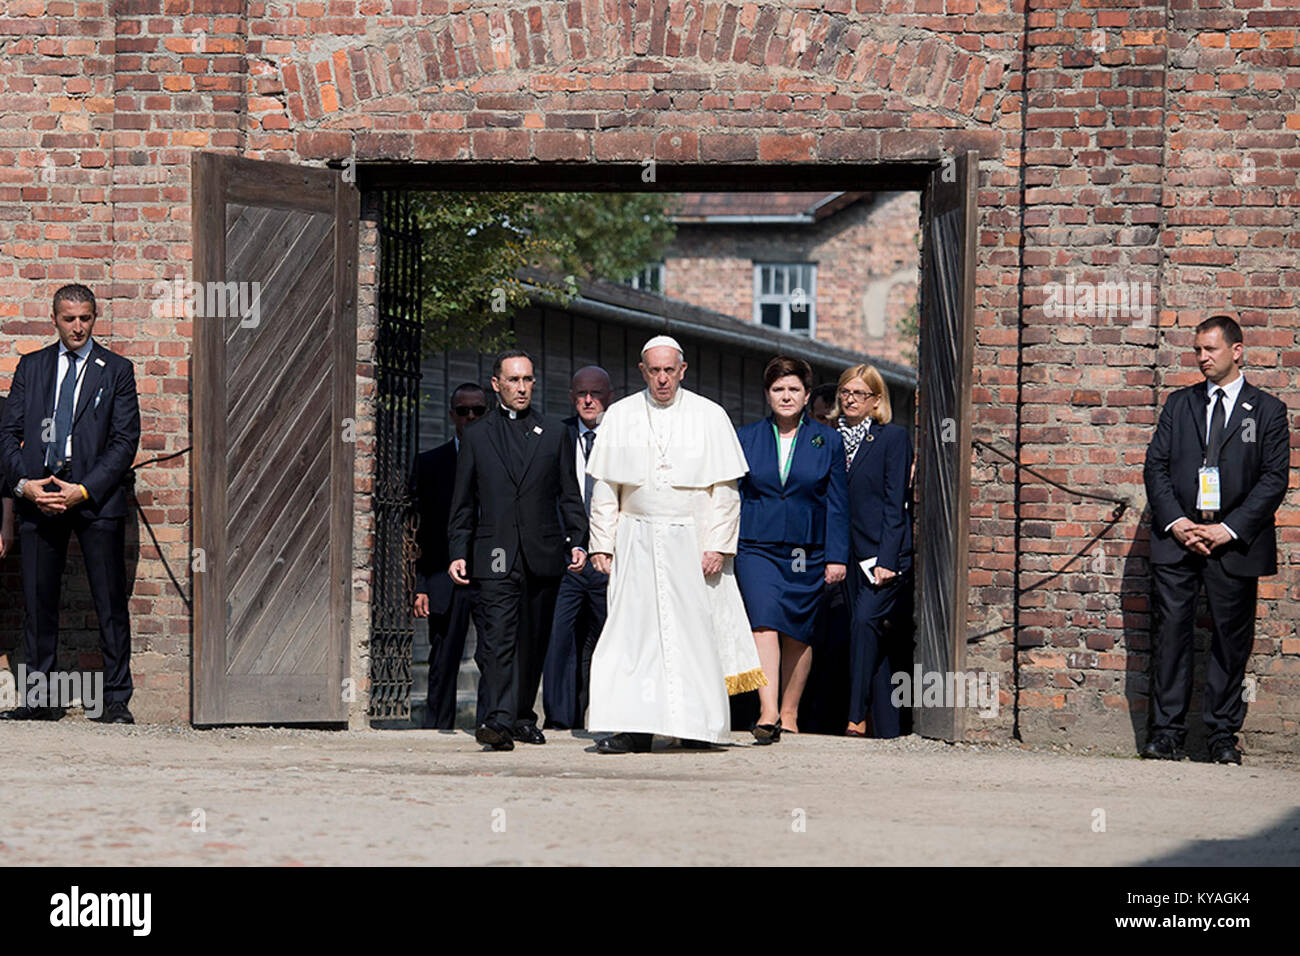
866	564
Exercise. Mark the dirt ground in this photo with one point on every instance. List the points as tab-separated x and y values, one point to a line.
290	796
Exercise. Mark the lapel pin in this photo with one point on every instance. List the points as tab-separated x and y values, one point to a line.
537	429
99	362
1246	405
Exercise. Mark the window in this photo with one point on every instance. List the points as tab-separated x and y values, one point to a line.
649	279
785	296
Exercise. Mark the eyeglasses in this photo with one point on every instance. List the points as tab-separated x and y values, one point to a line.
855	395
464	411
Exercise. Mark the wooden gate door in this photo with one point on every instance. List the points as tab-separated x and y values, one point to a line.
273	398
943	448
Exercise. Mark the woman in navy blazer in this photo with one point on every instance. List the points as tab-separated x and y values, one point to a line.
879	459
793	537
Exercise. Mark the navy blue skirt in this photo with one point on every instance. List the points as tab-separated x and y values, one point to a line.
777	595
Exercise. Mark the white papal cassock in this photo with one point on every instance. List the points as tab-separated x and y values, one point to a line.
674	643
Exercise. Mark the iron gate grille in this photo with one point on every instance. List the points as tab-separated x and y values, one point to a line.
397	398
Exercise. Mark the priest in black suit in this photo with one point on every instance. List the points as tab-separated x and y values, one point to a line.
507	535
1215	473
68	438
447	605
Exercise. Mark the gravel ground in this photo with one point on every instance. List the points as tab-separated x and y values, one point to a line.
289	796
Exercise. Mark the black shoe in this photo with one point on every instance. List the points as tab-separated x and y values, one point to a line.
1162	747
116	713
494	738
767	733
529	734
32	713
625	744
1225	751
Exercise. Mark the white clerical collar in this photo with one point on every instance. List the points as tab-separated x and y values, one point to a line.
83	353
1231	390
509	411
677	395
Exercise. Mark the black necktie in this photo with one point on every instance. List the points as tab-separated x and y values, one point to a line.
588	482
54	453
1217	418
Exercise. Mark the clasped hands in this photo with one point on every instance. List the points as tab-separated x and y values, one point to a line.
1199	538
67	496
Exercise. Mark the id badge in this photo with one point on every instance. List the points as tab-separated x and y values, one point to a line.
1208	497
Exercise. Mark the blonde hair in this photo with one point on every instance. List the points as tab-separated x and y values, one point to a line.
883	412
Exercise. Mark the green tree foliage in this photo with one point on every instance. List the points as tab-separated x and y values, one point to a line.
474	245
909	330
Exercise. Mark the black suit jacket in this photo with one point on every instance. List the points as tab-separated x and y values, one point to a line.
105	429
433	479
880	521
571	426
1254	465
501	503
6	486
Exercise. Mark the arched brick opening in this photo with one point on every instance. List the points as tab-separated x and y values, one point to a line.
1153	140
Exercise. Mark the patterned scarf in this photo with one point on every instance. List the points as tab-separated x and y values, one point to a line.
853	436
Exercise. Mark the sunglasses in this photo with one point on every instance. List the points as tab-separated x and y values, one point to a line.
464	411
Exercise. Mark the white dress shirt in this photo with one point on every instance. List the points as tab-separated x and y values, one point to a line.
581	459
61	369
1230	393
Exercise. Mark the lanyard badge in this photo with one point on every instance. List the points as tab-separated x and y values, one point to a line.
1207	497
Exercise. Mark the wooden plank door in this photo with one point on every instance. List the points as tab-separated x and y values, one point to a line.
947	345
273	396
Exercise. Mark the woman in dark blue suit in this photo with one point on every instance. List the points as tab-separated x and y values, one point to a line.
793	536
879	456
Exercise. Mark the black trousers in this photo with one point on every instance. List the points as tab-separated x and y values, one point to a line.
513	622
45	554
446	647
1232	611
580	610
872	655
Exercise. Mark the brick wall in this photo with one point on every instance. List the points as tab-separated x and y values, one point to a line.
1113	141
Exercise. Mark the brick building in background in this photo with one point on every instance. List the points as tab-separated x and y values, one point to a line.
1154	143
857	253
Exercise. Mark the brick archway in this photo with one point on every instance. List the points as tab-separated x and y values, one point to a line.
1154	140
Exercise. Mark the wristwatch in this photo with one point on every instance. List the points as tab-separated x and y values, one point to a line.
18	488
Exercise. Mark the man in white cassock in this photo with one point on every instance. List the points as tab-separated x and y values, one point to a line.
665	519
